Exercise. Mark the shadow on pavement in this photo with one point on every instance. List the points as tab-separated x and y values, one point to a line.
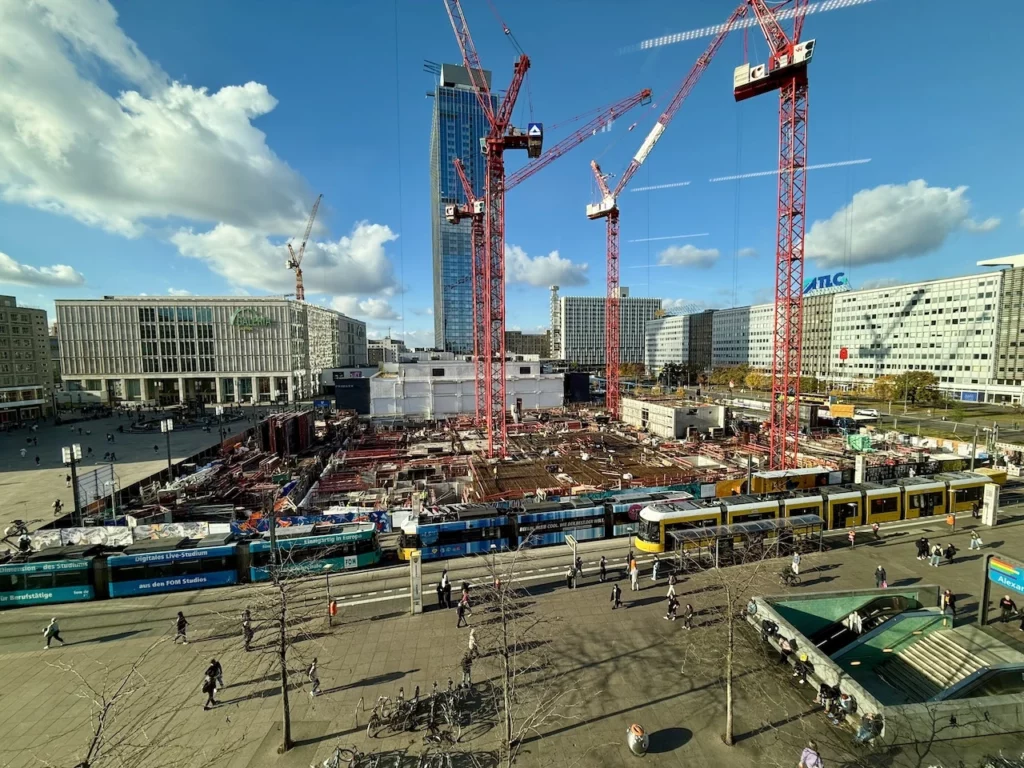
668	739
819	580
389	677
901	582
776	724
110	638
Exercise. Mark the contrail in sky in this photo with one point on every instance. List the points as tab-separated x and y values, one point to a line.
668	237
660	186
748	21
818	167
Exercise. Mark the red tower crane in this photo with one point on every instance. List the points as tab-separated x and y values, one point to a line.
608	209
786	72
502	136
473	209
295	262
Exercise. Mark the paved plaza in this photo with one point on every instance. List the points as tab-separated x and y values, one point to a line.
615	668
27	491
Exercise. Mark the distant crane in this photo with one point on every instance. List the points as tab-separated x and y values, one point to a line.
785	72
295	261
473	209
608	209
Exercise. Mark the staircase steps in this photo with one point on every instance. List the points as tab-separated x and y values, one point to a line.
940	659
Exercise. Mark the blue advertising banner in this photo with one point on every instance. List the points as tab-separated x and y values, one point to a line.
47	595
170	556
173	583
1006	574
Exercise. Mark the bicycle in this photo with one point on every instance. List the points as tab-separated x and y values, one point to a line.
380	716
348	758
788	579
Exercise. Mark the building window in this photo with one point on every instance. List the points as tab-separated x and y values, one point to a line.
437	371
524	369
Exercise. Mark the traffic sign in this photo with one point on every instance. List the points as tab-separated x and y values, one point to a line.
321	403
570	540
535	129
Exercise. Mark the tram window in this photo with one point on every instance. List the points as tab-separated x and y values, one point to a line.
127	572
880	506
38	580
650	531
70	578
969	494
12	582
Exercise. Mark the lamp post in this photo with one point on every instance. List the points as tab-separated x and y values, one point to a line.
114	486
330	616
167	426
70	456
220	421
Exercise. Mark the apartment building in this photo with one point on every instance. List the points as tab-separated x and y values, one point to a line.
26	377
581	328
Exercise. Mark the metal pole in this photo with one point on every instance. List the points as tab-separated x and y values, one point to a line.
75	514
974	445
170	468
749	473
330	616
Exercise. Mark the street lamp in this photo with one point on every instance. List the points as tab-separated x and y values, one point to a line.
220	421
70	455
167	426
114	486
330	616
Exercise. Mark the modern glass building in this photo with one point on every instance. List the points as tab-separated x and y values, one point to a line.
458	126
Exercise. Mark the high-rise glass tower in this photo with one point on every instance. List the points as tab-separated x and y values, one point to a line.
456	130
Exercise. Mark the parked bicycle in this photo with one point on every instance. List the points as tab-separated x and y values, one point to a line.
788	579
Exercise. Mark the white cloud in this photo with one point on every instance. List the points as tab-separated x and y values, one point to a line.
892	221
683	306
15	273
688	256
371	308
356	264
412	339
881	282
1022	217
178	292
159	149
747	253
542	271
972	225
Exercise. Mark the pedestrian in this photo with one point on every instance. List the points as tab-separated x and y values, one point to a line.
156	449
106	456
52	632
247	633
88	451
802	668
634	577
569	575
936	555
949	553
473	649
688	617
216	673
24	453
35	442
655	569
975	510
465	593
875	527
67	481
1007	607
672	585
881	582
852	538
467	671
948	600
209	688
448	595
616	596
786	648
37	461
181	628
462	611
795	565
673	606
440	595
113	456
579	567
975	541
58	507
314	678
922	548
604	568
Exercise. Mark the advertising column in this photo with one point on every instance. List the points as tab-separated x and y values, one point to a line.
416	581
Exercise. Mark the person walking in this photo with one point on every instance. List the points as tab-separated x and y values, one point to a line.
67	481
579	567
922	548
209	688
216	673
875	527
688	617
474	650
314	678
634	577
616	596
948	600
795	565
936	556
24	452
247	633
463	609
673	606
181	628
58	507
976	510
448	595
671	585
52	632
467	671
440	595
881	581
655	569
37	461
604	568
810	758
569	575
949	553
1007	608
852	538
975	541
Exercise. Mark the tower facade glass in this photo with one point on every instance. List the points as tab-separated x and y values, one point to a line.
457	127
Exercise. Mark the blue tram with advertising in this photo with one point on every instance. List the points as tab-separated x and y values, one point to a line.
345	547
175	565
47	577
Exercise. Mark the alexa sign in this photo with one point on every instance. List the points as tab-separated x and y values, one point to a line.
838	280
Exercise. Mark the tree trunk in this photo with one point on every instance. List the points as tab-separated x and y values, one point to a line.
282	649
730	639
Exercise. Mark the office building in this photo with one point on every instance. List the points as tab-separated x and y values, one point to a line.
666	340
26	378
581	328
212	349
817	325
730	337
457	128
699	352
519	343
386	350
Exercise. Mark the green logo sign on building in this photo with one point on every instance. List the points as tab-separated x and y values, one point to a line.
248	319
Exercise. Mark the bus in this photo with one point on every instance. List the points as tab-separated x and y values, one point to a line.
342	547
165	565
47	581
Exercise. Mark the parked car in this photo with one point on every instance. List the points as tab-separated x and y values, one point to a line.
872	412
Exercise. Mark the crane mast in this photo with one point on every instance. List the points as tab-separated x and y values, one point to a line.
295	260
608	209
786	72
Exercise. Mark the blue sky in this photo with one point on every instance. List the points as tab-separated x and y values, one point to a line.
119	175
